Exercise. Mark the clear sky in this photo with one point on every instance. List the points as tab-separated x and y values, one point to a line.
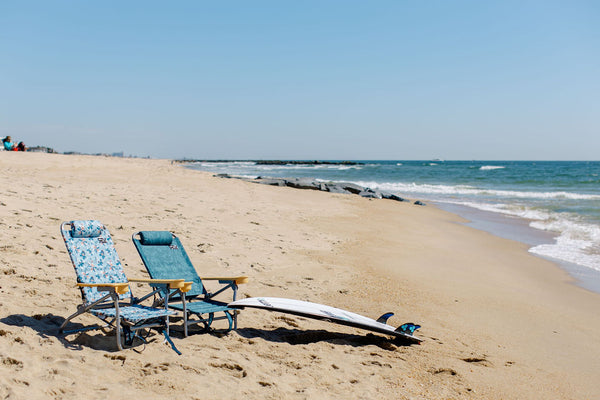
322	79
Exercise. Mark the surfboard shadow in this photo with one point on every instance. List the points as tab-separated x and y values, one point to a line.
297	336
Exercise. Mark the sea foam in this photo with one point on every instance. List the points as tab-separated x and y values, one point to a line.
467	190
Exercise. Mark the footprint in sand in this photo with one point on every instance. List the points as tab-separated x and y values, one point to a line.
377	364
117	357
13	363
478	360
57	393
151	369
289	321
444	371
19	382
236	369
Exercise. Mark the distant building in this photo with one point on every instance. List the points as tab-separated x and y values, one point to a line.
41	149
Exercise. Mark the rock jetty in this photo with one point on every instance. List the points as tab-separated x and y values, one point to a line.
274	162
311	184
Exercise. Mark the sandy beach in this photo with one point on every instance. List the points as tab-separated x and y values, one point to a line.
497	322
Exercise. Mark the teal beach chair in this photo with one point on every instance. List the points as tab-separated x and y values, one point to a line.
105	288
165	258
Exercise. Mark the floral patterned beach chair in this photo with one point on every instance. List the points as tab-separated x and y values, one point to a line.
165	258
105	288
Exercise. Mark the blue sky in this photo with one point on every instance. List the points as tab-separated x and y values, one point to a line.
304	79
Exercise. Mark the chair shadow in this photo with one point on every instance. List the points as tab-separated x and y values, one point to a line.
47	326
298	336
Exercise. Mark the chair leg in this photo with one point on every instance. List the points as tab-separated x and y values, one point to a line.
117	321
211	317
230	319
69	318
185	316
118	334
235	313
166	297
80	310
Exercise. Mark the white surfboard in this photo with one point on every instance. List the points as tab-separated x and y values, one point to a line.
332	314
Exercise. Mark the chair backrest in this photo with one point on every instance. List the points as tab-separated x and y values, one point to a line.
165	258
94	256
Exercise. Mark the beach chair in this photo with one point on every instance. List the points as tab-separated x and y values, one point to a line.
105	288
165	258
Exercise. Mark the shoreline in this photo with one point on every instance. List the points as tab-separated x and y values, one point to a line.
497	321
518	229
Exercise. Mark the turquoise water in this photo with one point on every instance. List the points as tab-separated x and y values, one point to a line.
561	198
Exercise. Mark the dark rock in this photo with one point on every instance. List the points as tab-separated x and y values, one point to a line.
351	187
271	162
305	162
274	162
333	188
391	196
419	203
369	194
272	181
303	183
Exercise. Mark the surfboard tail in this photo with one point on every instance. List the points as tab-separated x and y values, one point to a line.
408	328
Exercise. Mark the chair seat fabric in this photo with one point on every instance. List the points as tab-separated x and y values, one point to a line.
201	307
135	313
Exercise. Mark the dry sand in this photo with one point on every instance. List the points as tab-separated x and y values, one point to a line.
498	323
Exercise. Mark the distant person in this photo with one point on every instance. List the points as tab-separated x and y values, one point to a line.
10	146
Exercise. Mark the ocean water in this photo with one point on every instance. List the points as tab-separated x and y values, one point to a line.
558	199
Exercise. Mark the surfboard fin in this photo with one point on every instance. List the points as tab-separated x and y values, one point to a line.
409	328
383	319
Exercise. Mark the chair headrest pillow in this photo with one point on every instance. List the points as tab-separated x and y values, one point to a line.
86	229
156	238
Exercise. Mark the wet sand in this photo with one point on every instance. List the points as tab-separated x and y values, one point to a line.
518	229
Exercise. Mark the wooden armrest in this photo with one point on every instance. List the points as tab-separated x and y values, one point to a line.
237	279
173	283
187	286
120	288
